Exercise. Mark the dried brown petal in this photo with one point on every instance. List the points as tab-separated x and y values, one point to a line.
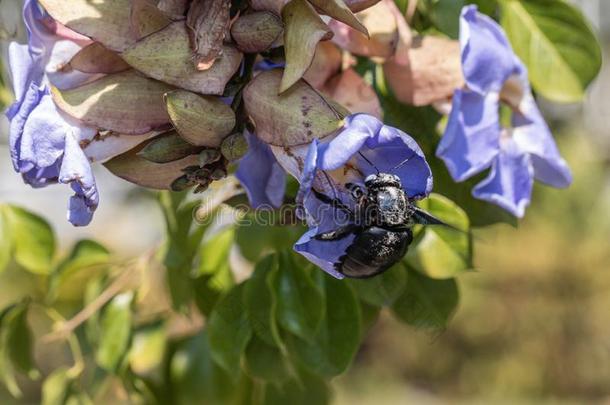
274	6
257	32
434	71
326	63
147	18
96	58
105	21
123	102
303	30
359	5
137	170
338	10
207	22
389	33
294	117
174	7
350	90
166	56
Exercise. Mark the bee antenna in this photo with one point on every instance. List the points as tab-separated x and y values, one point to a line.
401	164
330	183
368	161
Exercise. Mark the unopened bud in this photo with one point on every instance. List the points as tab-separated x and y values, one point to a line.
181	184
208	156
234	147
166	148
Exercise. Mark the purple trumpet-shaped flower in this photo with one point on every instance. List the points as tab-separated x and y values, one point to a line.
334	161
45	144
474	139
261	175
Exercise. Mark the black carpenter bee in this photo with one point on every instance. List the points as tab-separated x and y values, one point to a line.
382	221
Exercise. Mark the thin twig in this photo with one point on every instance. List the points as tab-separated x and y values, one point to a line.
109	293
411	9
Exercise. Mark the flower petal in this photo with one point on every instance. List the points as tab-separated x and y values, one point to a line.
324	254
471	139
76	171
261	175
533	136
384	146
510	180
487	57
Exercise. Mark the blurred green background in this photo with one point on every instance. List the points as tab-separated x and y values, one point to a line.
533	322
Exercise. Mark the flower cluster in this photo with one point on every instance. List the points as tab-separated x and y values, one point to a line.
170	96
475	140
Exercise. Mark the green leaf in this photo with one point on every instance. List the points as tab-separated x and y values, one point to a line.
229	330
445	16
306	389
147	351
255	240
265	362
6	368
33	239
332	349
439	251
5	240
260	299
214	255
92	290
115	325
56	387
381	290
556	44
427	303
300	302
213	276
195	375
85	262
181	246
20	341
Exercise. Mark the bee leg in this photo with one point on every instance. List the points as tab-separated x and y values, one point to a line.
356	190
338	233
333	202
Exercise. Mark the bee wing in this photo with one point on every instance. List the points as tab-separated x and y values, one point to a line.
421	217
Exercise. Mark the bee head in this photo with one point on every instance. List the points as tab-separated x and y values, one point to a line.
382	180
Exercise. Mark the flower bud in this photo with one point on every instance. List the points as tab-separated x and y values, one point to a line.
234	147
167	148
208	156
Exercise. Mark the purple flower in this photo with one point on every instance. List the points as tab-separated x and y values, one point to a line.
261	175
332	162
474	139
45	144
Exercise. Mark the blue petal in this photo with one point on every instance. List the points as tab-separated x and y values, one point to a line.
471	139
487	57
76	171
532	135
261	175
510	180
384	146
324	254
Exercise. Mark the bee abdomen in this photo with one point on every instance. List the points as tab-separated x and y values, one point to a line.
374	251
